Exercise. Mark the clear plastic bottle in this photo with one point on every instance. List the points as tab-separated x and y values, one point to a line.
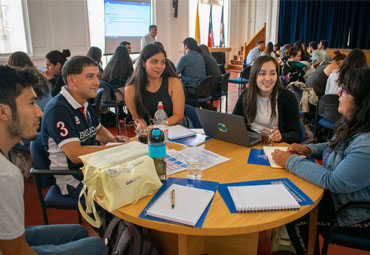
161	120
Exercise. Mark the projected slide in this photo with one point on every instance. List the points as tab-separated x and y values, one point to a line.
127	20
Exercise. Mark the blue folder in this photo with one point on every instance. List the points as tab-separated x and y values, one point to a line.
301	197
258	157
191	140
208	185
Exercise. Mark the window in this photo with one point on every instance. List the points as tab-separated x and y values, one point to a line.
14	27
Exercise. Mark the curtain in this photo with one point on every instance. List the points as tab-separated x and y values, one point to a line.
335	21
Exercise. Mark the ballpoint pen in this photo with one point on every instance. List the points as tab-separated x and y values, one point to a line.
173	198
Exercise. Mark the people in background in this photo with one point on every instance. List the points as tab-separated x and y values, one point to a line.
170	63
276	50
43	87
323	45
153	81
355	59
294	68
150	37
70	127
54	63
269	50
210	62
255	52
267	106
118	69
344	173
317	56
284	53
304	54
191	67
317	80
20	119
96	54
127	45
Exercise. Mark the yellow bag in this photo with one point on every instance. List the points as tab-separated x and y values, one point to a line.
120	175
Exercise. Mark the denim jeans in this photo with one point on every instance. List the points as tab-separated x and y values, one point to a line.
66	239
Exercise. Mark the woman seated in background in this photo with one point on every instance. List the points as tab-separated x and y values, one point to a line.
267	106
269	50
96	54
302	47
317	80
21	59
345	174
153	81
294	68
54	63
355	59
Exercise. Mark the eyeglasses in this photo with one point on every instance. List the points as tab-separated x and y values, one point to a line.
343	91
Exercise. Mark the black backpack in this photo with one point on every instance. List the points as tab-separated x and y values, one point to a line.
125	238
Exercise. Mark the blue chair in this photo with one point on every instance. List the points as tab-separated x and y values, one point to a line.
44	178
334	235
192	115
242	79
328	110
203	92
223	89
108	99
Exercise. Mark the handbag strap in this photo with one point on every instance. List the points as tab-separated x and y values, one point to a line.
90	207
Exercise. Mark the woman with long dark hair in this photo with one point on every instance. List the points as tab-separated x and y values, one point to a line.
54	61
266	105
269	50
345	174
355	59
153	81
96	54
118	69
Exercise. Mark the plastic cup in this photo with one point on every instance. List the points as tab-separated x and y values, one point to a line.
266	139
142	135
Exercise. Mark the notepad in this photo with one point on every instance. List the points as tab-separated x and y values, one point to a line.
256	198
178	131
189	204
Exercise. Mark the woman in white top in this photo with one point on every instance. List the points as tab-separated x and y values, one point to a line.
269	50
355	59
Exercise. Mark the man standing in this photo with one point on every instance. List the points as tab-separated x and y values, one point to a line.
150	37
70	126
191	67
20	119
317	56
255	52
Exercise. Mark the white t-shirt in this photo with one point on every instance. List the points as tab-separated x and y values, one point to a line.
263	116
11	200
332	85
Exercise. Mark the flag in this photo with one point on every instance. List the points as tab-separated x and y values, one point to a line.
197	26
210	42
222	36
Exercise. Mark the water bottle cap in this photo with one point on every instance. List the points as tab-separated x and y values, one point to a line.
160	105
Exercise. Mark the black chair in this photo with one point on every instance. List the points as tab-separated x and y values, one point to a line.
97	102
44	179
333	235
203	93
108	99
223	89
328	110
191	114
242	79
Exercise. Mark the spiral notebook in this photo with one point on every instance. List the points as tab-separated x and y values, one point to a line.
189	204
257	198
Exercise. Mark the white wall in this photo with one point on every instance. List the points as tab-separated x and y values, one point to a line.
63	24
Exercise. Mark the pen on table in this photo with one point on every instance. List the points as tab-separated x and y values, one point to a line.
173	198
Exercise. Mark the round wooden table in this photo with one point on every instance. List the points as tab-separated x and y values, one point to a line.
223	232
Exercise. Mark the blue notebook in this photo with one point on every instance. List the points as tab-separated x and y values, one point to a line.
299	196
206	185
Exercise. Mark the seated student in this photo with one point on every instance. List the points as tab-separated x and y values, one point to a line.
294	68
70	126
151	82
42	89
276	50
355	59
317	79
345	171
210	62
317	56
269	50
267	106
54	63
302	47
127	45
255	52
96	54
170	63
20	119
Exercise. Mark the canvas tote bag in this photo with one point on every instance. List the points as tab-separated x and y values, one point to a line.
120	175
